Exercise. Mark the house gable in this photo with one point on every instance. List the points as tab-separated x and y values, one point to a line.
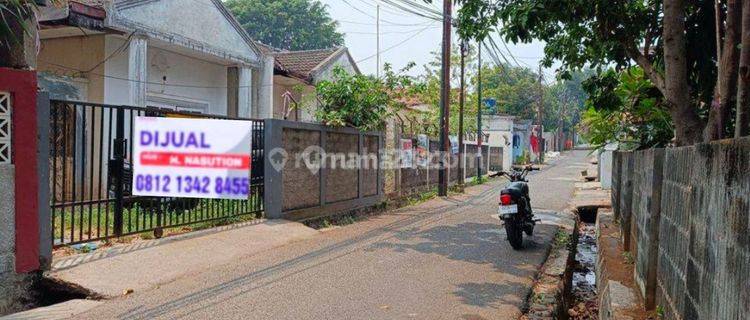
204	25
341	58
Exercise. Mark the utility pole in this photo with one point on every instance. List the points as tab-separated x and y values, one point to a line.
479	112
377	40
461	101
445	100
540	130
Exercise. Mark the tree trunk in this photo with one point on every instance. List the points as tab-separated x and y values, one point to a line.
720	114
18	50
676	89
742	125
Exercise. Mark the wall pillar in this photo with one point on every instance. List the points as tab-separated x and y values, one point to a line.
21	87
138	70
233	82
265	89
244	92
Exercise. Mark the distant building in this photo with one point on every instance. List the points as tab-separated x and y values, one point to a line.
497	132
293	78
157	53
521	140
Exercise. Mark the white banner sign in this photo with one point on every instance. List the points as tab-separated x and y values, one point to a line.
191	158
407	153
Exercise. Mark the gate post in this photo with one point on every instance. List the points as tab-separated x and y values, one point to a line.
119	172
21	94
43	154
272	184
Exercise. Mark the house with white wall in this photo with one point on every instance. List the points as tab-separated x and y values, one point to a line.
293	78
497	132
162	53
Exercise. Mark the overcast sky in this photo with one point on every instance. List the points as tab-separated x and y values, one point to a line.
404	37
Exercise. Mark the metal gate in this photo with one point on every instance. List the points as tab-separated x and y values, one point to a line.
90	177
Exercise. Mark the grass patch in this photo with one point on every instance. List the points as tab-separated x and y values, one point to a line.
97	220
628	257
562	238
333	221
422	197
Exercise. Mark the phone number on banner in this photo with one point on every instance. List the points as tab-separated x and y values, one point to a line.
196	185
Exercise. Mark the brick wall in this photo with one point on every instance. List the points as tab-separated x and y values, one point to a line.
647	185
701	249
704	247
306	186
626	196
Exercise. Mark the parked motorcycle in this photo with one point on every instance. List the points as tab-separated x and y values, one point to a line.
515	206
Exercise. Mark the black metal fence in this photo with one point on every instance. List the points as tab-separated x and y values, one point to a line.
90	177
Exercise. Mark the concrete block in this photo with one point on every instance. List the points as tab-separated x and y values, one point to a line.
7	263
615	301
7	209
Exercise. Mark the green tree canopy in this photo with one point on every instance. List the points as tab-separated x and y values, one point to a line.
288	24
603	33
625	107
515	89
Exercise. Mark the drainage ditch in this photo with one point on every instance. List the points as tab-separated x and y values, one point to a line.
585	302
45	292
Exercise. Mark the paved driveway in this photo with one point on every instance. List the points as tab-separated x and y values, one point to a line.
443	259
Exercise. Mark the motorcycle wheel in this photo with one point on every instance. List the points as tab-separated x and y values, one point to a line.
529	230
515	236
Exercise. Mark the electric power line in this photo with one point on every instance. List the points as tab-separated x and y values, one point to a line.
396	45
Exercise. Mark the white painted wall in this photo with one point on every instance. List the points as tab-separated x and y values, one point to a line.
327	73
206	81
499	129
606	157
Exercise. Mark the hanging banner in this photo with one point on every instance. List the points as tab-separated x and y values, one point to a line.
423	150
191	158
407	153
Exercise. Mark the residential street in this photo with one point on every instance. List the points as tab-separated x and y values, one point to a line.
443	259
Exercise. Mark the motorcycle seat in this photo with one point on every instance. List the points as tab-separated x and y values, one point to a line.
517	189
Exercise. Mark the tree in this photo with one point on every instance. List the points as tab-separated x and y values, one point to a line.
565	101
742	124
17	34
288	24
429	92
360	101
625	107
675	36
515	89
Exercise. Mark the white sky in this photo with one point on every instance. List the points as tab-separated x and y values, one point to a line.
407	43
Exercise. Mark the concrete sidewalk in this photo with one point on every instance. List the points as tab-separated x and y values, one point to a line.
149	264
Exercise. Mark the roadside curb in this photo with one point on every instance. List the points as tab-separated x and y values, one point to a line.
548	298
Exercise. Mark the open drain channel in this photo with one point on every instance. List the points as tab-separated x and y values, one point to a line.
585	304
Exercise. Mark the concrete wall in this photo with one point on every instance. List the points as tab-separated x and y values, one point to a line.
207	81
647	185
8	289
59	61
327	73
605	165
303	93
305	185
201	25
625	203
616	183
701	249
704	247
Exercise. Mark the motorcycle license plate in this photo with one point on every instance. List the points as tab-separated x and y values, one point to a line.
510	209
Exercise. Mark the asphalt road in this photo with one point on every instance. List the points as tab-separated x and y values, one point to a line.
443	259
